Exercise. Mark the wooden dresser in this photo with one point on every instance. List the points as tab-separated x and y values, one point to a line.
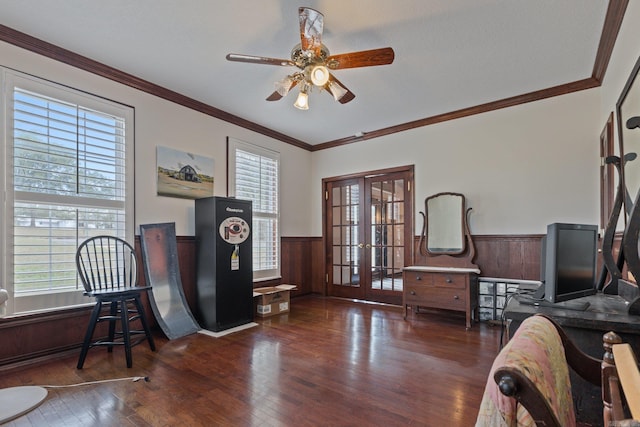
448	288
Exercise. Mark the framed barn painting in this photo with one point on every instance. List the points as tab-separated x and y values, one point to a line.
184	175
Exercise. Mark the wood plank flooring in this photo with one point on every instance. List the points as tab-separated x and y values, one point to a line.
329	362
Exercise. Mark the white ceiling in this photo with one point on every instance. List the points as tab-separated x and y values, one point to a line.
449	54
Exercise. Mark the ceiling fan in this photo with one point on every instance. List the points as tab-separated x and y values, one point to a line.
315	64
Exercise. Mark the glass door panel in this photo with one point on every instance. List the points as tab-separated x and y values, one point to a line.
346	236
387	233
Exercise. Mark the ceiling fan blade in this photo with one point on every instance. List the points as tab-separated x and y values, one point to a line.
338	90
275	96
364	58
259	60
311	26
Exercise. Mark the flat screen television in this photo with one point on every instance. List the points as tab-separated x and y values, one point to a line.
568	262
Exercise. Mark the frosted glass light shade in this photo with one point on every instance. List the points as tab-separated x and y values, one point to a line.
283	86
337	91
319	75
302	103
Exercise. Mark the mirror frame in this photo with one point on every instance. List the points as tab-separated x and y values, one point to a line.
463	259
428	231
628	198
629	247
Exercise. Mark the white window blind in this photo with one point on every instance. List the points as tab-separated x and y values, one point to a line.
69	177
254	175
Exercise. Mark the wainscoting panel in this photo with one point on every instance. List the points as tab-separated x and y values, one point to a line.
36	336
508	256
513	257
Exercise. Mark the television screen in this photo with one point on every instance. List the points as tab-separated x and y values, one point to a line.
570	261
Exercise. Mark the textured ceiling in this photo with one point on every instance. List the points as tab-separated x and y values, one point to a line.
449	54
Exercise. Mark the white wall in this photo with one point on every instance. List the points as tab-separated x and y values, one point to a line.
159	122
520	168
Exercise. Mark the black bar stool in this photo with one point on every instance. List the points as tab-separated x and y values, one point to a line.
108	269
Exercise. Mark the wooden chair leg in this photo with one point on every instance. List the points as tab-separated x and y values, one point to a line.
113	313
145	324
126	336
89	334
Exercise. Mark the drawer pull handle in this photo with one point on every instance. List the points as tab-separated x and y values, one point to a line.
413	292
456	297
449	280
418	277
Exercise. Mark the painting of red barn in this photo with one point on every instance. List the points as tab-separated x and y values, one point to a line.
184	175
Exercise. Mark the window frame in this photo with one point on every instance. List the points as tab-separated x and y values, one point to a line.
51	299
233	145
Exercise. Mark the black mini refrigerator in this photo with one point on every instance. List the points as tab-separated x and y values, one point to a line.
224	262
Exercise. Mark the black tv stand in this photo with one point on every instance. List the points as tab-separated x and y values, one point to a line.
567	305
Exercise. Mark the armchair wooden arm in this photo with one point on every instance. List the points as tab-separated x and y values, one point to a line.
620	370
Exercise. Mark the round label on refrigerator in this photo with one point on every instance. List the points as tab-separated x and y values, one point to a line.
234	230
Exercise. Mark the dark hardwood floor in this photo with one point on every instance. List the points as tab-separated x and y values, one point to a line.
328	362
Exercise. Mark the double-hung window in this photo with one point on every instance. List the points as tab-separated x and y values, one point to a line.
68	175
254	175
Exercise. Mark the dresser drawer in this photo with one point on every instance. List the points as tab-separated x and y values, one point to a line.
417	293
435	297
435	279
417	277
449	280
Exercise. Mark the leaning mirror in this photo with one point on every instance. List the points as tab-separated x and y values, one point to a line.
628	107
444	223
445	240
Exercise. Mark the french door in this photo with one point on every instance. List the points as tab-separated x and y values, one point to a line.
368	226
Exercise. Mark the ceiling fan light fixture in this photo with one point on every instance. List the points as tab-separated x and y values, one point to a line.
336	90
283	86
313	60
302	102
319	75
